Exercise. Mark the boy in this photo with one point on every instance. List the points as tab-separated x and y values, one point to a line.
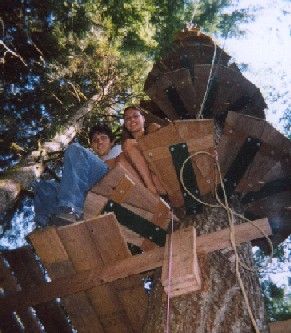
82	169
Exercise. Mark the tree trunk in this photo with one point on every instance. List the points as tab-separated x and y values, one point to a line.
219	307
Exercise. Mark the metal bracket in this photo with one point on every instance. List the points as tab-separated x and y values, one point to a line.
271	188
177	103
179	154
240	164
136	223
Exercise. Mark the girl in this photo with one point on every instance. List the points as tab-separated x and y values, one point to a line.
133	129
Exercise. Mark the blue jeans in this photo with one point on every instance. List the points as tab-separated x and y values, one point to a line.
82	170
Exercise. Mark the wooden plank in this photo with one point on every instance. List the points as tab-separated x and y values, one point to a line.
198	134
270	205
280	326
182	81
156	91
185	272
244	232
93	205
146	261
110	311
139	197
275	149
91	244
122	189
8	320
28	273
49	247
134	300
77	241
106	234
232	90
231	142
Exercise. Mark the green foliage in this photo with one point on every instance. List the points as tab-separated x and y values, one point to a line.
277	307
205	16
277	303
69	50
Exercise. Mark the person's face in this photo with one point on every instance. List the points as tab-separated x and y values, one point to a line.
101	144
134	121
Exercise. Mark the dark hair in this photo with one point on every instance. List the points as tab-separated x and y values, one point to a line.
125	132
101	128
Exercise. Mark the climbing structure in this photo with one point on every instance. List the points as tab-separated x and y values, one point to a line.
193	90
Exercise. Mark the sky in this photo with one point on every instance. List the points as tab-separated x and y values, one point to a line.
266	49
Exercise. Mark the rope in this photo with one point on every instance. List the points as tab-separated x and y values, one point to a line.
200	113
230	215
170	262
217	198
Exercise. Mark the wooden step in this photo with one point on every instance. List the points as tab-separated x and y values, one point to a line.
198	136
174	93
78	247
271	153
180	263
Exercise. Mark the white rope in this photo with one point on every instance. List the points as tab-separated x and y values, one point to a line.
230	215
200	113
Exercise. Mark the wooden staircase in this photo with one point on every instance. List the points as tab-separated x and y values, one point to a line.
89	263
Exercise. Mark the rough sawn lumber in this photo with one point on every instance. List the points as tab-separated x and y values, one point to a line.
83	280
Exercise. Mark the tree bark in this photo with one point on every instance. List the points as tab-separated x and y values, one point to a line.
219	307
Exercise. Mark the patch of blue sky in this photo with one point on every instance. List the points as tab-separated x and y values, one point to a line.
50	19
22	224
265	49
6	157
32	82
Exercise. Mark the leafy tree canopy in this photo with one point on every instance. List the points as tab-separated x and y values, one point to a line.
57	54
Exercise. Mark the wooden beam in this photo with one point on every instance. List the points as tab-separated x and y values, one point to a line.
146	261
280	326
244	232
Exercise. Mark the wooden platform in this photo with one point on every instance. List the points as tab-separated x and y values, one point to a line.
99	282
92	245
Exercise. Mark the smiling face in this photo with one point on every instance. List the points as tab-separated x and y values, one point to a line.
101	144
134	122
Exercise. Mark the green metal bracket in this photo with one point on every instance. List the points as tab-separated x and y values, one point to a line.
136	223
179	154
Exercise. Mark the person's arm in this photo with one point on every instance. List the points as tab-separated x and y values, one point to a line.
135	156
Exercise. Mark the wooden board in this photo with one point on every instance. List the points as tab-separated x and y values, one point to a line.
160	217
271	205
180	261
280	326
198	134
272	160
229	90
84	280
49	247
8	284
139	195
152	113
88	245
179	79
29	274
186	55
